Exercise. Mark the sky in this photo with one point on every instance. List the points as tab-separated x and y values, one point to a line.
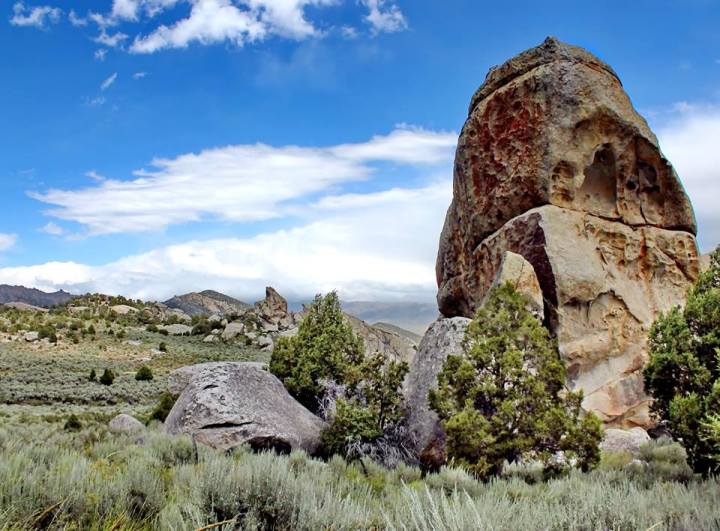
156	147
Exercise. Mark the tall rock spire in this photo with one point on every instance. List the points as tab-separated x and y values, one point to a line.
555	164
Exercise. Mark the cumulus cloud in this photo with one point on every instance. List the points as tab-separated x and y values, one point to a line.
53	229
242	183
375	246
689	140
385	16
100	54
37	17
107	83
211	21
7	241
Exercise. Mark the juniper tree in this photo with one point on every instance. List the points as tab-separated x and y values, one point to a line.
683	374
504	398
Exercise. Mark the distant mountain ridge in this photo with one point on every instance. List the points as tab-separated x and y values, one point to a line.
33	297
415	317
207	302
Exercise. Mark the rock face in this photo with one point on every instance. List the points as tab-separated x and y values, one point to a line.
177	329
521	274
624	440
391	344
443	338
207	302
554	165
228	404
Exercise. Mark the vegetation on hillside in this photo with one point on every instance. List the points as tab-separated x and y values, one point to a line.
683	374
504	399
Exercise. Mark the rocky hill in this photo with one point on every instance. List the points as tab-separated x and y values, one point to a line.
412	316
207	302
33	297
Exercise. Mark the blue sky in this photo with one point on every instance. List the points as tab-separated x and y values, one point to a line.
159	146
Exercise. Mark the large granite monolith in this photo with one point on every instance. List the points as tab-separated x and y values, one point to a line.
555	165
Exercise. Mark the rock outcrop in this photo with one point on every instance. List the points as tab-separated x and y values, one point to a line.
124	423
208	303
631	440
227	404
390	344
443	338
556	166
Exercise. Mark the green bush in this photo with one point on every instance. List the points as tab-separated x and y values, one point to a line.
73	423
143	374
162	347
152	327
683	374
93	376
325	349
504	399
47	332
108	377
162	410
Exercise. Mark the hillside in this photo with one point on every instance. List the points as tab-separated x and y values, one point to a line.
207	302
32	296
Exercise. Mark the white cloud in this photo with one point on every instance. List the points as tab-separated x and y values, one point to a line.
237	22
139	75
241	183
100	54
689	140
110	40
77	20
377	246
210	21
385	16
37	17
95	176
108	82
7	241
53	229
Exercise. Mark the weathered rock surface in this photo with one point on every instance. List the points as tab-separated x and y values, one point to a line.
521	274
179	379
631	440
392	345
443	338
273	307
125	424
24	307
554	165
228	404
704	262
232	330
123	309
207	302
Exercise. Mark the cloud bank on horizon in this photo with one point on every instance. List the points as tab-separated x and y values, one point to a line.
377	245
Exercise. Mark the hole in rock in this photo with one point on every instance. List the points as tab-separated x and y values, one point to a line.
261	444
598	193
222	425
